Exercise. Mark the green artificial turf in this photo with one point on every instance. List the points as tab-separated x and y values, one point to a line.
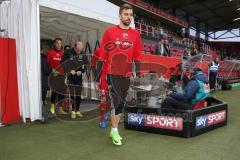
86	141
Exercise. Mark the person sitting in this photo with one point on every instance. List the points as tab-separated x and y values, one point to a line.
196	89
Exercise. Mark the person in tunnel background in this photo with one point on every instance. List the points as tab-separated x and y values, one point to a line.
66	47
74	62
46	70
45	73
54	57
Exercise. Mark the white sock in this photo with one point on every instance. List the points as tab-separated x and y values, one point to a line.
114	129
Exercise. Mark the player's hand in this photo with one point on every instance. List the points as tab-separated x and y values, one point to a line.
169	93
102	95
66	81
78	73
55	72
103	99
73	72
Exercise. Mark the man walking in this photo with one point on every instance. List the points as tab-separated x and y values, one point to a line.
121	46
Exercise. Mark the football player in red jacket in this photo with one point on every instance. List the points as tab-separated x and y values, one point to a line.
121	46
54	57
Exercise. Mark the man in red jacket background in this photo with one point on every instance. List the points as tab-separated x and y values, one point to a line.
54	57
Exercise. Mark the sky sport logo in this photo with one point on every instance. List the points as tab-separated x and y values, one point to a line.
164	122
210	119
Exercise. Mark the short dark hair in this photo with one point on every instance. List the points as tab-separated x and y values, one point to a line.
67	46
57	39
125	6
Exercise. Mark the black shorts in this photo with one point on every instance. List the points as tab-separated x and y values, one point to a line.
118	87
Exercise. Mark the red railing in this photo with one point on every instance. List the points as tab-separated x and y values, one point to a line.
145	29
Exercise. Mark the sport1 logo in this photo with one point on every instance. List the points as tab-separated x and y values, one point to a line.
135	119
165	122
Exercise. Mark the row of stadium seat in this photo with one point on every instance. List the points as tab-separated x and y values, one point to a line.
149	48
176	53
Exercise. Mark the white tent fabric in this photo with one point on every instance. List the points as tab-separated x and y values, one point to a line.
23	25
70	27
22	21
95	9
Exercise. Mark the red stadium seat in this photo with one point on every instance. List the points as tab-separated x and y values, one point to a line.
149	48
137	26
153	48
144	47
200	104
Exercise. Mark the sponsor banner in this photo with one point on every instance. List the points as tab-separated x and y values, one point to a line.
135	119
165	122
155	121
210	119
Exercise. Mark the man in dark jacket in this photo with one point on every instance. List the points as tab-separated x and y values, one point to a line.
45	72
74	62
196	89
213	70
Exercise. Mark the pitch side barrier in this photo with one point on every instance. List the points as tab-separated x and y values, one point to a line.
227	79
180	123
